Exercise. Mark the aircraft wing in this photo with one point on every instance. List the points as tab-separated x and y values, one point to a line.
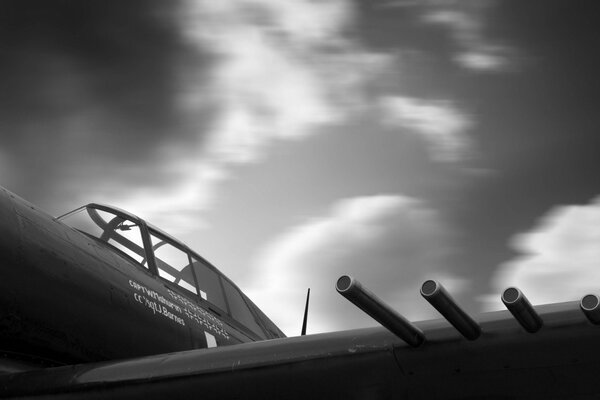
561	360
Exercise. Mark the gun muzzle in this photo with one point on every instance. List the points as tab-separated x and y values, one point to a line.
521	309
590	305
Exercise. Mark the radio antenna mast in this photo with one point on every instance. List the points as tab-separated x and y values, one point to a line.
305	313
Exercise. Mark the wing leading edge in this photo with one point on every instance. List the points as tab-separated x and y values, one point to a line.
559	361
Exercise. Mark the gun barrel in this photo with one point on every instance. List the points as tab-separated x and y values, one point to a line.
441	300
522	310
352	290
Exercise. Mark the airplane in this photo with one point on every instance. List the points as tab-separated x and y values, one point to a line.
98	303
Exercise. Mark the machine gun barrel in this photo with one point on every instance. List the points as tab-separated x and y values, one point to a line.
352	290
522	310
441	300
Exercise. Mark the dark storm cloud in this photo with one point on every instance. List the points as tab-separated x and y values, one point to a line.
88	86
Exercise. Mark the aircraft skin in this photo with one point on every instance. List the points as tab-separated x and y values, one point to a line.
53	306
65	298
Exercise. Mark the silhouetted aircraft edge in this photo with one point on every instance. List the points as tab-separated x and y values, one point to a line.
78	319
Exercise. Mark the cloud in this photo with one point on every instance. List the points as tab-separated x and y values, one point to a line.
150	105
482	60
282	71
88	92
390	243
439	122
279	71
558	258
467	26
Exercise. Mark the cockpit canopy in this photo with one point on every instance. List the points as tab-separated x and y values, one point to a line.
162	255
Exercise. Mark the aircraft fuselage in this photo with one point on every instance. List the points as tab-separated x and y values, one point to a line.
65	298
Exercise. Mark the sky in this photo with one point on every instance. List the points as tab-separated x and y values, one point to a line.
292	142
